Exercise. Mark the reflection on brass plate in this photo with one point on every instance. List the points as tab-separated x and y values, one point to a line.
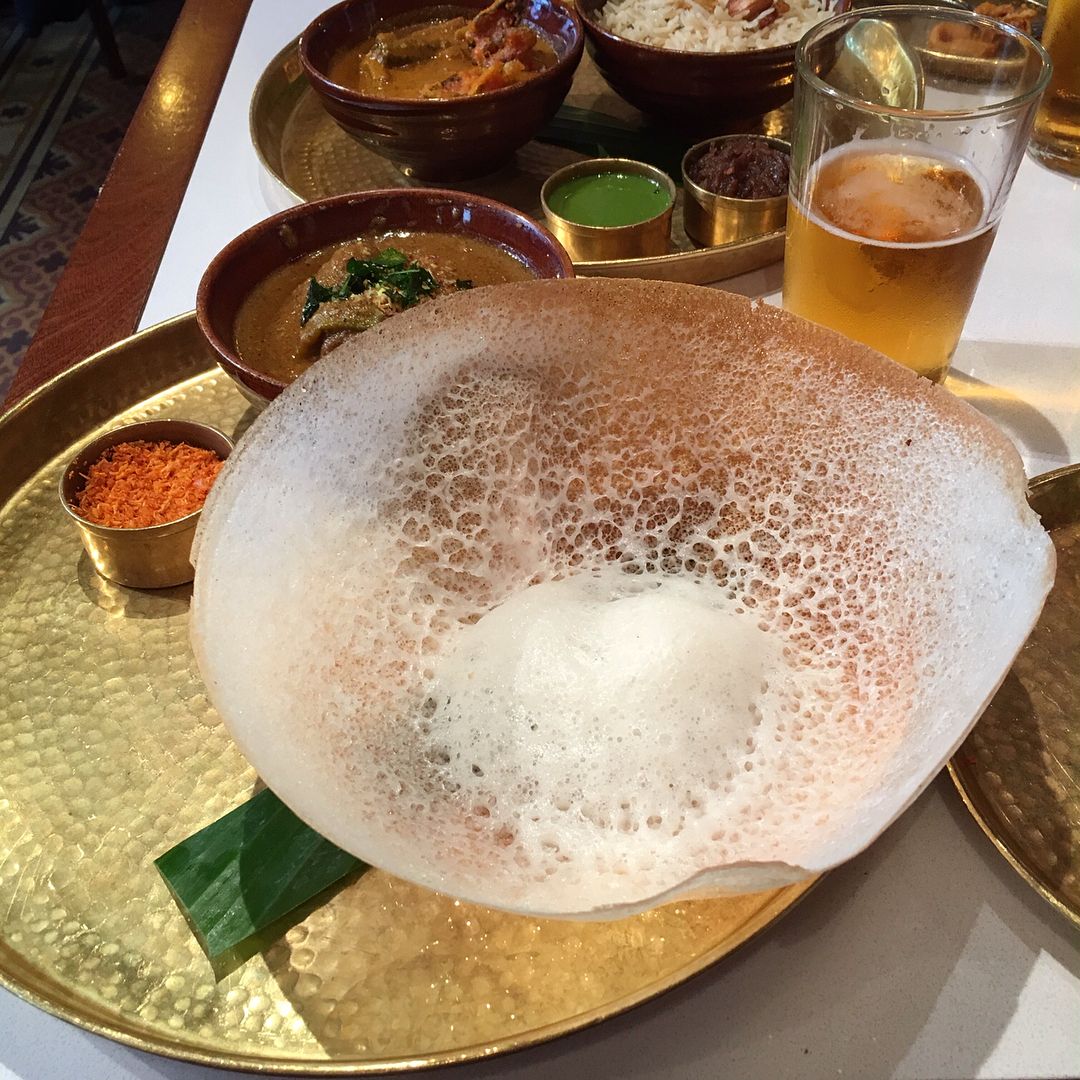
1019	770
109	754
310	157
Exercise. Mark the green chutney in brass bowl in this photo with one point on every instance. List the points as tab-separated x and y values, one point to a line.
609	198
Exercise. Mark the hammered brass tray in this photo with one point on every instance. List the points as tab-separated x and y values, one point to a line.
307	156
1019	770
110	753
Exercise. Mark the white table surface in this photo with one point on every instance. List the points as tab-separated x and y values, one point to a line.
927	956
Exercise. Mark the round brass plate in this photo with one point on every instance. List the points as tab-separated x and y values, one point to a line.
1019	769
110	754
307	156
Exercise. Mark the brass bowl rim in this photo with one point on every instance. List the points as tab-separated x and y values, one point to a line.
130	432
710	200
596	167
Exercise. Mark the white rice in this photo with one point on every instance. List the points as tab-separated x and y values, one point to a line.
687	26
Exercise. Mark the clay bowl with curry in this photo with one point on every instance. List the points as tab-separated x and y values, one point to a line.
293	287
446	92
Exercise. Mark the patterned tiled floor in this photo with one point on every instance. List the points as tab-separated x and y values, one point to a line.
62	118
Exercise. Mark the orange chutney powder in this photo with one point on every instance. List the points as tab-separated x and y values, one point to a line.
136	484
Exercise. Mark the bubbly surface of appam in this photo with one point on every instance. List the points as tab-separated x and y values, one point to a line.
572	597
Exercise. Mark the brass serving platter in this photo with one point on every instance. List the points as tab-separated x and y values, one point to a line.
110	753
1019	770
307	156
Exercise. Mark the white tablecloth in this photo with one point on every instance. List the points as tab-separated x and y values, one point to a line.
927	956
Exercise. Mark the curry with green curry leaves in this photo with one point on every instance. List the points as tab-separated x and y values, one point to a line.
308	307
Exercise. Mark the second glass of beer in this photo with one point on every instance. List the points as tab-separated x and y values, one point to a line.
893	207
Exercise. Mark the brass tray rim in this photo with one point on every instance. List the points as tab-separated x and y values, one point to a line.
594	267
381	1066
20	406
120	1029
968	790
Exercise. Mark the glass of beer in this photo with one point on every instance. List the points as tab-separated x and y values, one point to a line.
1056	140
910	123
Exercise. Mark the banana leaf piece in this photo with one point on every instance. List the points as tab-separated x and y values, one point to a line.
249	869
597	134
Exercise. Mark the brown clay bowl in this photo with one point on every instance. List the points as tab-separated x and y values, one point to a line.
303	229
452	139
698	92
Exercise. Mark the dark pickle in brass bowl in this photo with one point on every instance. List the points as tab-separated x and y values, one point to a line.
735	187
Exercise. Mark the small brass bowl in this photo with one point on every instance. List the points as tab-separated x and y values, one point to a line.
155	556
587	243
711	219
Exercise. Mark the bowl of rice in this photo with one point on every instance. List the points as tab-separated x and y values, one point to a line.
698	65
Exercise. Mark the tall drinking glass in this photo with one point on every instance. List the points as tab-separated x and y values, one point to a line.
1056	141
910	124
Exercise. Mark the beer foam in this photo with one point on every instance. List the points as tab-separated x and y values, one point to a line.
868	198
575	597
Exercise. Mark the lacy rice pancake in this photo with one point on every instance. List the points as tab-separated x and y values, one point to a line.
576	597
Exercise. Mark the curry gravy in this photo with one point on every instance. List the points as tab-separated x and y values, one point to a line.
268	332
445	55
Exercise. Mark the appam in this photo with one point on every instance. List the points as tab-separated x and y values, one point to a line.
576	597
